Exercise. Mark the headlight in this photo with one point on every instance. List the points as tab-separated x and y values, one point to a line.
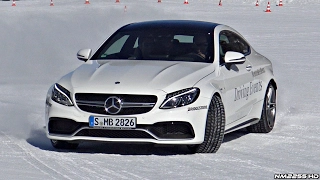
180	98
61	95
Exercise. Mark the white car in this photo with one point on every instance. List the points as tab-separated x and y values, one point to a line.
176	82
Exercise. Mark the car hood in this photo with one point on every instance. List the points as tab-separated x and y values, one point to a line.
131	76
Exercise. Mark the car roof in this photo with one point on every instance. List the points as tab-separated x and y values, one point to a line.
190	25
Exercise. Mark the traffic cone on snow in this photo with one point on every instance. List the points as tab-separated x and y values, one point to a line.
87	2
257	3
125	8
13	3
220	3
117	1
51	3
280	3
186	2
268	7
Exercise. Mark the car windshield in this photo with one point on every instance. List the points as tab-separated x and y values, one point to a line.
158	44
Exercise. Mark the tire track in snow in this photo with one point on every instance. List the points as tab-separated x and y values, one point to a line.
71	168
32	159
109	173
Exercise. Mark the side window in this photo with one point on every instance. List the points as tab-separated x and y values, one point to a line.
224	43
230	41
238	44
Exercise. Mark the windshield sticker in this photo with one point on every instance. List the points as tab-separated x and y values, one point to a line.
244	91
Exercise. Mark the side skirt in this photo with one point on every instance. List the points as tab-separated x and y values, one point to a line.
242	125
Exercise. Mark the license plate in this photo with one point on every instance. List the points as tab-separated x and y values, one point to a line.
112	122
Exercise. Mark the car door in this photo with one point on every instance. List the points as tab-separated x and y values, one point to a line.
237	77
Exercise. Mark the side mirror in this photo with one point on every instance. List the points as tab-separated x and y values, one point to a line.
234	57
84	54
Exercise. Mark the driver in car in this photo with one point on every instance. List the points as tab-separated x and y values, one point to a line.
200	44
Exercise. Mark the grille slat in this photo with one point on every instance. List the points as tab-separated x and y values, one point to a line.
132	104
114	133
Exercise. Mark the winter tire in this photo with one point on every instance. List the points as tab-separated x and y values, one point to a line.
214	131
268	114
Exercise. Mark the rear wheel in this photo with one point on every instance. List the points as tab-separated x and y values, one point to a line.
214	131
268	114
58	144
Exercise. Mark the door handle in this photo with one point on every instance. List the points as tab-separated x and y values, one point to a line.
248	68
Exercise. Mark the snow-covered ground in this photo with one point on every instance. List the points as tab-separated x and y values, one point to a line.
38	44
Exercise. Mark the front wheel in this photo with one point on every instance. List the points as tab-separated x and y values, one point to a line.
268	114
58	144
214	131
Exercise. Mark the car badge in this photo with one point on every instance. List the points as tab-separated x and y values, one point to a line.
113	105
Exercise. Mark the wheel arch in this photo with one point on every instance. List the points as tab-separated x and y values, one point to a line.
216	94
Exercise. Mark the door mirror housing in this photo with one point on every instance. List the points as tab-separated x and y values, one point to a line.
84	54
234	57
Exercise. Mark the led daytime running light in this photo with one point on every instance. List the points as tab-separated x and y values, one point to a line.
62	91
180	98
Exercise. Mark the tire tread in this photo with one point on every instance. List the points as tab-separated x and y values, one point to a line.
215	125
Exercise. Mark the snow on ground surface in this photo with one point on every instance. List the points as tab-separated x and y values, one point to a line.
39	45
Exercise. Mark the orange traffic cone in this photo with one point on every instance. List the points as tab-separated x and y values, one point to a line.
186	2
13	3
87	2
280	3
159	1
268	7
257	3
51	3
220	3
117	1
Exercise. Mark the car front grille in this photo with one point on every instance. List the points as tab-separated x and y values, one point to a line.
161	130
132	104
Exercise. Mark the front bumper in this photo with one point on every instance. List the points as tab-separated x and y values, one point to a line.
160	126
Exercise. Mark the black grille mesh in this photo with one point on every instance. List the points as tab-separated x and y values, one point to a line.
171	130
166	130
63	126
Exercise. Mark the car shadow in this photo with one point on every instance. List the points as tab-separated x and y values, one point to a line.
38	139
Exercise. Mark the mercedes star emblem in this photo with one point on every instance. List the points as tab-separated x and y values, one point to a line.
113	105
